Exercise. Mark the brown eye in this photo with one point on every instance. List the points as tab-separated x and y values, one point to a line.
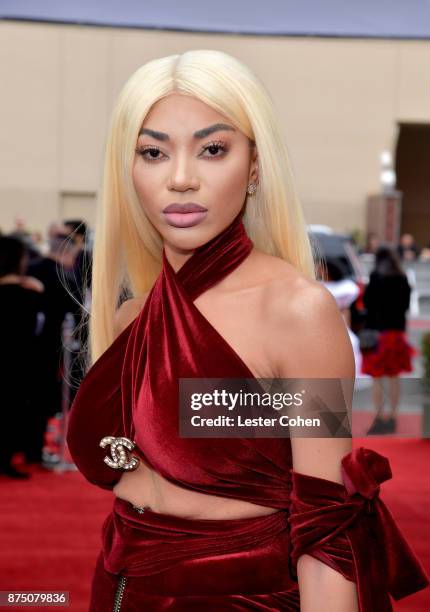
214	148
153	151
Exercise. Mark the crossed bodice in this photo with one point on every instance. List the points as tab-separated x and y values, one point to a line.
132	389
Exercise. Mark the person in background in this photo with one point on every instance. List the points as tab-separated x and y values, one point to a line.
425	253
51	270
345	292
20	227
20	326
386	299
32	249
82	264
372	244
407	249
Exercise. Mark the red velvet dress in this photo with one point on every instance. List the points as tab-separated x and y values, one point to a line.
154	561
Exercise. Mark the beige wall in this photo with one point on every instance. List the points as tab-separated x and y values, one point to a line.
339	103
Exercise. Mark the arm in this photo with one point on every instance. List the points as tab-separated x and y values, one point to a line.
30	282
337	518
313	342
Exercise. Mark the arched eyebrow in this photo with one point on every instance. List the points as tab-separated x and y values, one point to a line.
216	127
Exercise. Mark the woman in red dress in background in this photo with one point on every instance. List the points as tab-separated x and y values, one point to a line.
387	299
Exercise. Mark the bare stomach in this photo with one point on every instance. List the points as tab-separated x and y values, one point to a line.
146	487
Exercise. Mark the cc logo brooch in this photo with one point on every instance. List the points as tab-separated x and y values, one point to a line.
120	458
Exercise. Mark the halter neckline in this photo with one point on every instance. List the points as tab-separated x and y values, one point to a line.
212	261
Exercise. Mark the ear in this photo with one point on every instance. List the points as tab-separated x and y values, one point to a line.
253	169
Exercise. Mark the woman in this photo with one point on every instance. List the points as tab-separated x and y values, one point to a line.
386	300
345	292
199	221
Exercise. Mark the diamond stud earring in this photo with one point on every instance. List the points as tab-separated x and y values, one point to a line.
251	188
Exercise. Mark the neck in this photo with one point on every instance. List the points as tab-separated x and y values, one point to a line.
235	231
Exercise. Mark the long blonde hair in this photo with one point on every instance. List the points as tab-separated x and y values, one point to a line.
127	248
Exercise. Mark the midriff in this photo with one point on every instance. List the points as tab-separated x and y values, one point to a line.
146	487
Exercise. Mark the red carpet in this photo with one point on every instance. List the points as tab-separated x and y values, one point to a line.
50	525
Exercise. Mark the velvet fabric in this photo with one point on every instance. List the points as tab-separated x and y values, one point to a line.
175	563
132	390
349	528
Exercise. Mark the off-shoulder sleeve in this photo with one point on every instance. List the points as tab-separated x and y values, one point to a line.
349	528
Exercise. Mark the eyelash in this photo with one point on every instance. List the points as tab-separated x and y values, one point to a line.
142	150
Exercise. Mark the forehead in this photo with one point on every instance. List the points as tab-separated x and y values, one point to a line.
175	109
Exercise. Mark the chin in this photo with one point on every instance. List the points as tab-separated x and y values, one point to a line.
190	238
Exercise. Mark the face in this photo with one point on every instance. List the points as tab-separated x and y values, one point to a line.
191	171
407	240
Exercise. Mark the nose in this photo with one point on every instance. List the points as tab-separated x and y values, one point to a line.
182	176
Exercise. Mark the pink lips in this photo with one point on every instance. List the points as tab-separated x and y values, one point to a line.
184	215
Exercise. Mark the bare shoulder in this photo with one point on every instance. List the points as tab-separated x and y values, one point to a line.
299	326
305	327
127	312
308	338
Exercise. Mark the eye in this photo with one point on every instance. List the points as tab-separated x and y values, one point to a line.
150	153
152	150
215	147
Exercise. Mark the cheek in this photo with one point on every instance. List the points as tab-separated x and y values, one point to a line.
233	178
138	180
145	189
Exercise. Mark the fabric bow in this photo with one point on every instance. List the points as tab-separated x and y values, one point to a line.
363	470
349	528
